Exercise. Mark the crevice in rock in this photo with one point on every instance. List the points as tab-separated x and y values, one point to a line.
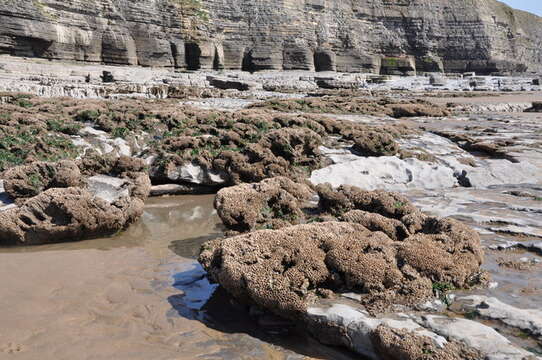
248	63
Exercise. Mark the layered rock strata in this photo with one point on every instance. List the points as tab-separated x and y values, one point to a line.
391	37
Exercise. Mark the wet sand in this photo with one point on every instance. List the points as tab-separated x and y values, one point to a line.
138	295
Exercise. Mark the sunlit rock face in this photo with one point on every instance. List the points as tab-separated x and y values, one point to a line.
387	36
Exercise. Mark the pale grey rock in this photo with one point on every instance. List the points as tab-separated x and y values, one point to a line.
122	146
6	202
534	246
529	320
194	174
485	173
476	335
108	188
355	327
436	80
387	173
518	230
489	172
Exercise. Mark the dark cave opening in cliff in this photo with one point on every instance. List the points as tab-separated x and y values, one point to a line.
248	62
323	61
192	53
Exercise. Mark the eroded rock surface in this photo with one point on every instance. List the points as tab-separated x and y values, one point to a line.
56	202
271	203
277	35
285	270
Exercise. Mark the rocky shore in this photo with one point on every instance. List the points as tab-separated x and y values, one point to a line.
397	217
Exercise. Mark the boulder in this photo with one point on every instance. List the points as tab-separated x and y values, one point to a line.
271	203
65	214
331	83
439	81
30	180
477	82
286	270
231	83
375	143
59	202
536	107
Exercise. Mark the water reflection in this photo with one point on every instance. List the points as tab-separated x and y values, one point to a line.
212	305
196	292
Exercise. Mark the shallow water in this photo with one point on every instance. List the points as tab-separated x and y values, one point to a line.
137	295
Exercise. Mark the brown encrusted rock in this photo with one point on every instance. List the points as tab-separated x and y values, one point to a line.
375	143
398	344
413	110
395	229
345	198
273	202
296	145
93	163
451	252
129	168
59	202
284	270
29	180
66	214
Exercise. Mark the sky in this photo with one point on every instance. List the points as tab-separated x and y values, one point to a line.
534	6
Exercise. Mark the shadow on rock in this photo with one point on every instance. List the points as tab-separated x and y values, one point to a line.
212	305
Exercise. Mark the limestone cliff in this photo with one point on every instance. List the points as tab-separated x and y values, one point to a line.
388	36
